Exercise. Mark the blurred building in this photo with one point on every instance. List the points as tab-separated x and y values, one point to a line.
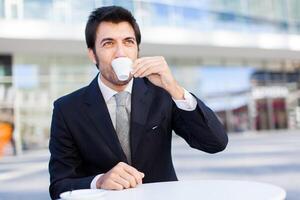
43	56
272	103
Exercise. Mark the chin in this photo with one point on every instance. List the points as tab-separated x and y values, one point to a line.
121	83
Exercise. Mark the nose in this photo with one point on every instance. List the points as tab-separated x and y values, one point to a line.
120	51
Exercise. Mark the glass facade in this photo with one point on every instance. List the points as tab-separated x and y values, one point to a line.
39	80
82	11
274	16
6	90
36	9
1	8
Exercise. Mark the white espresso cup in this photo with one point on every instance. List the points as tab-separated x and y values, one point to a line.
122	67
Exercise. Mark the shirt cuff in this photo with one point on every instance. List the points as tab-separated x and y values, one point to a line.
188	104
94	181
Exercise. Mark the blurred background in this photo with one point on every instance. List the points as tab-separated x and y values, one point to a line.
241	57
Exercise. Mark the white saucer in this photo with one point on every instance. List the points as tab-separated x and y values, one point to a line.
83	194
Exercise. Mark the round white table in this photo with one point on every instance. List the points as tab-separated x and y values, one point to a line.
200	189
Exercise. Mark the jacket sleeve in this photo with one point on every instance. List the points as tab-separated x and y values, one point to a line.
65	168
200	128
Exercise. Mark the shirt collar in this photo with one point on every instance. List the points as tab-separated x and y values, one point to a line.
108	93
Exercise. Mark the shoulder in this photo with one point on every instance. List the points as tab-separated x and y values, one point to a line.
76	98
70	99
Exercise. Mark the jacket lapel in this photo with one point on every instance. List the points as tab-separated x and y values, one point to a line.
97	112
141	100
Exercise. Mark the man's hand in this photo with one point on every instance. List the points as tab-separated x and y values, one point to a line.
121	176
158	72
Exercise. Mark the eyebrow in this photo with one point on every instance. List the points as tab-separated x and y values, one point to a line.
110	39
129	38
105	39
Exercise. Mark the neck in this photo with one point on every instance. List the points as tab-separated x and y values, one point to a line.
117	88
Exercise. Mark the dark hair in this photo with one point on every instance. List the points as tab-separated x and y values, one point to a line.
115	14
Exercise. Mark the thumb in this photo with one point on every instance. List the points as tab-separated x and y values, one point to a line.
142	174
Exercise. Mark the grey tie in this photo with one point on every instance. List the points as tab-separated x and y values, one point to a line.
123	121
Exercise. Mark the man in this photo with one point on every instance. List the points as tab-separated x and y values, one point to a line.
96	144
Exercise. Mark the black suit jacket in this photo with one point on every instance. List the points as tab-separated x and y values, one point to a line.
83	141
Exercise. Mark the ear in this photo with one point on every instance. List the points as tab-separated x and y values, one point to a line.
91	55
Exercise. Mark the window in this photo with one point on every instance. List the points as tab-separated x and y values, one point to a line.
36	9
279	10
1	8
294	6
81	11
160	14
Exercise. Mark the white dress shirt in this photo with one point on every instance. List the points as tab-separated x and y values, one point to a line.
188	104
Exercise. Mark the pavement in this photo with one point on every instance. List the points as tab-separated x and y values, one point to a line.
269	157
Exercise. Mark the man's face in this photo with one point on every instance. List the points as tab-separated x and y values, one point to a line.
114	40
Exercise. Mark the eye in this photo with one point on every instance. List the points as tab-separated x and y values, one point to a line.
107	44
129	42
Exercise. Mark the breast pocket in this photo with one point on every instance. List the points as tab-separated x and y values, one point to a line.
154	137
156	127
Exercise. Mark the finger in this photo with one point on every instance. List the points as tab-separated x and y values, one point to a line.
139	60
135	173
142	174
111	185
118	179
119	170
137	63
130	178
144	66
130	173
153	70
141	69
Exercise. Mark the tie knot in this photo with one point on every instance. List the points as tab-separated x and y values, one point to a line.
121	98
